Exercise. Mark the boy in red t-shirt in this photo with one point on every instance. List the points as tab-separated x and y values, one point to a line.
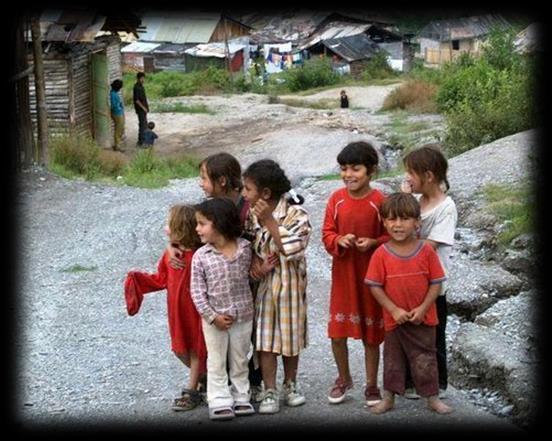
405	277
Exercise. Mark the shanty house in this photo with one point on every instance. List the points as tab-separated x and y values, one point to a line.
355	44
354	51
78	70
444	40
174	33
214	54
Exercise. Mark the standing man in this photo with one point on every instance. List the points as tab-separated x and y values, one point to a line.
141	106
117	114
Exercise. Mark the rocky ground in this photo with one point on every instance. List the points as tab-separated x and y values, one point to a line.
82	360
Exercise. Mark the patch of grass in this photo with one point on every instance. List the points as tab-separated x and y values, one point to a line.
415	95
180	108
74	154
330	177
514	207
148	171
400	131
78	268
324	103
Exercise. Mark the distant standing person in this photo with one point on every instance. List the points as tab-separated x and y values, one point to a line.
344	100
141	106
149	136
117	113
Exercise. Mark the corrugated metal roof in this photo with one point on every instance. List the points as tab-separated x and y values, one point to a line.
335	30
355	47
461	28
214	50
196	28
140	47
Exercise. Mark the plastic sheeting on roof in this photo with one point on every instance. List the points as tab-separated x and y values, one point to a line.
140	47
217	50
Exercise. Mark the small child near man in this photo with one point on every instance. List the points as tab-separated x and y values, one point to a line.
149	136
405	276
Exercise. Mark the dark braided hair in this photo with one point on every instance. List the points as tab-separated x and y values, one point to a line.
267	173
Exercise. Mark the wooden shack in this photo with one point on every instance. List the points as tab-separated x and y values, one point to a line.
78	70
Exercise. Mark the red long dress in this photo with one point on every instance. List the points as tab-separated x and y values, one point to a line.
184	321
354	312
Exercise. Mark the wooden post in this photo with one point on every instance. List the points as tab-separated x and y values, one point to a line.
24	149
42	120
226	48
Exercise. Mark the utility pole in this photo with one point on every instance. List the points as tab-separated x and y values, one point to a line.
226	48
40	93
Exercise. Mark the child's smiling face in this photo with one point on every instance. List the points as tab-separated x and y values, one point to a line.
355	177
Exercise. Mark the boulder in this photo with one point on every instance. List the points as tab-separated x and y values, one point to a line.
484	357
474	286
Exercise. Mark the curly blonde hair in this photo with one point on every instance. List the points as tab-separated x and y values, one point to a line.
182	224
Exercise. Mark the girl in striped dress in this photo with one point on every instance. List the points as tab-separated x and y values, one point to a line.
281	231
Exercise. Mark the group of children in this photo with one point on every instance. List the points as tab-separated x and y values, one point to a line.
236	277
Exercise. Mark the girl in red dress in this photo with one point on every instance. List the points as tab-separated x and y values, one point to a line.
185	329
352	230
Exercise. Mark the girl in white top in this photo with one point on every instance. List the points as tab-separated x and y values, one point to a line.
426	175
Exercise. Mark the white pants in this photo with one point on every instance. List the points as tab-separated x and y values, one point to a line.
232	345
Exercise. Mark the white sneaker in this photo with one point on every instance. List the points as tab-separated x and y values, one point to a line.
270	402
292	397
410	393
443	393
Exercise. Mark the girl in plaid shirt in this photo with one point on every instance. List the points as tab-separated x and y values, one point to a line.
221	294
281	231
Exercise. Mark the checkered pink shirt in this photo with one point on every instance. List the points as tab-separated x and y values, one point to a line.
220	285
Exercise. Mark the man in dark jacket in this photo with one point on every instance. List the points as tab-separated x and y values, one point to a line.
141	106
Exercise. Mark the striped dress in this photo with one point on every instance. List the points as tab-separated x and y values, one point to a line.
280	304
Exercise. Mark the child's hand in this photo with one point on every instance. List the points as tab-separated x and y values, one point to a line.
262	211
223	321
363	244
406	186
346	241
417	315
401	316
175	258
260	268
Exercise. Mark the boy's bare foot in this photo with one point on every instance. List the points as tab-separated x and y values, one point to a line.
434	403
383	406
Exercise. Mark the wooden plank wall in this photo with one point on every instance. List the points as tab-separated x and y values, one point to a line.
81	93
57	93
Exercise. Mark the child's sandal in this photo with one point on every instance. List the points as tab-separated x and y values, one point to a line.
189	400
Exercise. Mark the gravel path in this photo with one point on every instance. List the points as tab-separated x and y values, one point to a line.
83	360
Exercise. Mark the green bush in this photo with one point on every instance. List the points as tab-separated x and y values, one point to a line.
73	153
378	68
489	97
314	73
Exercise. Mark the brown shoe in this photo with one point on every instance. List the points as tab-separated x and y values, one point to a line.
338	392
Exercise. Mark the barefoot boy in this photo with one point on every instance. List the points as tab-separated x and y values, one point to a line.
405	277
